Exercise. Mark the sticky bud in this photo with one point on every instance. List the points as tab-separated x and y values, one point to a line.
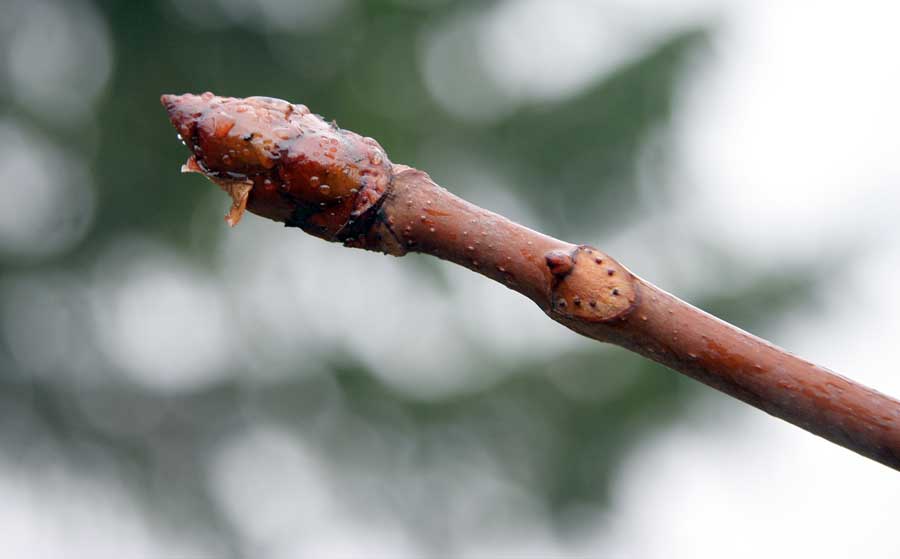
272	157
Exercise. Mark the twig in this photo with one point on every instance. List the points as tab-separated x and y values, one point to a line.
282	162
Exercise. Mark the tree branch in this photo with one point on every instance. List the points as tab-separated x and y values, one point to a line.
282	162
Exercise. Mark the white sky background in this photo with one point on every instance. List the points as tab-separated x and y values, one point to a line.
787	148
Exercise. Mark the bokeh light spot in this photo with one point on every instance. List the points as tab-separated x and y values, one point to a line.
46	197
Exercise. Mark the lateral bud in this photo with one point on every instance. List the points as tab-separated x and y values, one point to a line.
588	285
559	262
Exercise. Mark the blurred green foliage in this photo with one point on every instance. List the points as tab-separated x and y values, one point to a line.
573	160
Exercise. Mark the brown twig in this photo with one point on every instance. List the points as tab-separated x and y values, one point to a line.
284	163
